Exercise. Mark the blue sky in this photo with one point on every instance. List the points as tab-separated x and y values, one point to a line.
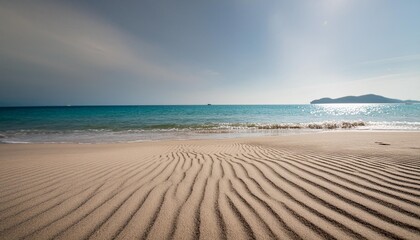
197	52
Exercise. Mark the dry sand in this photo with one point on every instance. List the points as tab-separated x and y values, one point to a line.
331	185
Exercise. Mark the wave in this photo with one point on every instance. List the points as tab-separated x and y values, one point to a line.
191	131
324	125
320	125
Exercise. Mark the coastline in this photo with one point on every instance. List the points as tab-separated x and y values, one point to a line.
196	136
325	185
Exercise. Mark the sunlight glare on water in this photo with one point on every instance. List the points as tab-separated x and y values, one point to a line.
349	109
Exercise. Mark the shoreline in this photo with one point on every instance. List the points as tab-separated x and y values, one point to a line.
290	140
221	136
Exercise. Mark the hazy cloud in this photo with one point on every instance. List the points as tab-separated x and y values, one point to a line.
64	38
399	59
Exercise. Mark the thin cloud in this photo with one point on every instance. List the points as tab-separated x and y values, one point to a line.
211	72
407	58
63	38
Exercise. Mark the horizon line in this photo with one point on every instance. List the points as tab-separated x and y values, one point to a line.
158	105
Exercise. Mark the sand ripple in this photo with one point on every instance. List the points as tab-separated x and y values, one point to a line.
226	191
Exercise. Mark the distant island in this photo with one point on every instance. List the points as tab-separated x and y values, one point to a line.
369	98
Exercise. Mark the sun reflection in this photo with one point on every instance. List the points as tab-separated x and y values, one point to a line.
348	109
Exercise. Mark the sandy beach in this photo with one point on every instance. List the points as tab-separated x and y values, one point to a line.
338	185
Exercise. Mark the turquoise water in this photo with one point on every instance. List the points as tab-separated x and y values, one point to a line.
139	123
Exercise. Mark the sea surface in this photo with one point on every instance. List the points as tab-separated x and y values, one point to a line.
95	124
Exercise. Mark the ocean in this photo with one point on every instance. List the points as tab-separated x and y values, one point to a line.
96	124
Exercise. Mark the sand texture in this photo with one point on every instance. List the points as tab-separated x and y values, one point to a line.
316	186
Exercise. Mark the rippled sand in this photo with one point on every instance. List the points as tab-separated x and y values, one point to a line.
330	185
